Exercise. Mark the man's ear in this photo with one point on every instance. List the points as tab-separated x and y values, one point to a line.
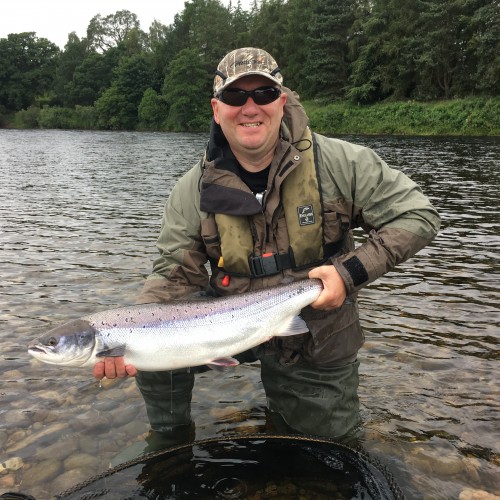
215	109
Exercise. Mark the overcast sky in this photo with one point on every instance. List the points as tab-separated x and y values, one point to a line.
54	19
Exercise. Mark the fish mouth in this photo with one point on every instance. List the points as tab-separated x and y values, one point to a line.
36	349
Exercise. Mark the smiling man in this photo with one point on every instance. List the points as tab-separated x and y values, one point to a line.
250	128
272	202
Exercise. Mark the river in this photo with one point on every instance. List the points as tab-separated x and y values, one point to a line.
79	215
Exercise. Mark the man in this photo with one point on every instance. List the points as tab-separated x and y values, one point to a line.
272	202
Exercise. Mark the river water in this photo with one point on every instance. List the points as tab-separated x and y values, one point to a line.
79	215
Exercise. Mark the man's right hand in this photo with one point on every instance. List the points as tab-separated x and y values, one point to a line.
113	368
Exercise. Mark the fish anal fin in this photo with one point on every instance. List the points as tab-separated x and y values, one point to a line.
220	363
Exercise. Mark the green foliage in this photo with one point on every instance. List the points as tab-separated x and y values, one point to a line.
268	29
203	26
328	64
153	111
187	91
296	45
89	79
27	69
363	51
113	111
104	33
27	118
475	116
79	117
118	106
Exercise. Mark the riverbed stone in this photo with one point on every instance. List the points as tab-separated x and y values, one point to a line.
471	494
7	482
60	449
105	405
17	418
125	415
42	472
71	478
90	422
3	438
79	460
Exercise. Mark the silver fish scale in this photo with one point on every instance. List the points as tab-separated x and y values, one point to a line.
183	334
183	313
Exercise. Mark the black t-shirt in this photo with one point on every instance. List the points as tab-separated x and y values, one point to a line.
256	181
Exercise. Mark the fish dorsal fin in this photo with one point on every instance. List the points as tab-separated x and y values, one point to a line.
295	326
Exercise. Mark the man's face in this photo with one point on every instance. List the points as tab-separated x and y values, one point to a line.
250	129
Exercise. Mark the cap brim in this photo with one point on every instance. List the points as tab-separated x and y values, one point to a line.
235	78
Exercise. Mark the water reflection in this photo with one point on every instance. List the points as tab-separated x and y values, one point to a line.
247	467
79	214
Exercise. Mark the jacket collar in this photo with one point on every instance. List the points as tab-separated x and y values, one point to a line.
222	190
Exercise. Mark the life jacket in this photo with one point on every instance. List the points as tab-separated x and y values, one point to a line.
303	210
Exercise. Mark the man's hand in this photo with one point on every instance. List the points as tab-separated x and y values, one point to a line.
334	289
113	368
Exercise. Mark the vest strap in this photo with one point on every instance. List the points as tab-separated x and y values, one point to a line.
273	263
268	264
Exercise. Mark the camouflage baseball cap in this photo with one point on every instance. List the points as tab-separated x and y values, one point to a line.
244	62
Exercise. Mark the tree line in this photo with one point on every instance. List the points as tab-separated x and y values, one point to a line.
363	51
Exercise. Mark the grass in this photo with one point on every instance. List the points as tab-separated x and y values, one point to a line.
461	117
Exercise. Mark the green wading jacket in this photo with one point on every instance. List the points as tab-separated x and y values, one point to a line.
357	189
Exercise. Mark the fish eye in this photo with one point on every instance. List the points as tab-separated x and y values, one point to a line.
52	342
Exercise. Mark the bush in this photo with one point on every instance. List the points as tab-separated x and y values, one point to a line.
474	116
27	118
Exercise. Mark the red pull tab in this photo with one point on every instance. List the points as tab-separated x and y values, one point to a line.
225	280
268	254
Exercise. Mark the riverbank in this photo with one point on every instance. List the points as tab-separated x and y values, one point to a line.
460	117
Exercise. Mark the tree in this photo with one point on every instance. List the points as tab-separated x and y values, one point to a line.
268	29
204	26
296	45
328	64
114	112
73	55
27	69
239	25
89	80
484	46
153	111
188	97
161	52
388	39
106	32
118	105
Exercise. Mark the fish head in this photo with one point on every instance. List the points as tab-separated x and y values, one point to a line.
70	344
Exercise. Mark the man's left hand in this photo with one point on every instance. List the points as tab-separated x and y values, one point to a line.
334	289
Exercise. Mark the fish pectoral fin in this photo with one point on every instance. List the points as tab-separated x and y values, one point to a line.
112	352
295	326
220	363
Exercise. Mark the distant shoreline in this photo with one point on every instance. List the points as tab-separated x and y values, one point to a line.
474	117
479	116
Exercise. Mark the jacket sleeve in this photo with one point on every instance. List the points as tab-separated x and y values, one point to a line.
180	268
398	218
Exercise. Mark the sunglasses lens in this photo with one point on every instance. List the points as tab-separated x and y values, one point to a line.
238	97
265	96
234	97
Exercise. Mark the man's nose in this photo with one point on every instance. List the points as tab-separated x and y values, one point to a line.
250	106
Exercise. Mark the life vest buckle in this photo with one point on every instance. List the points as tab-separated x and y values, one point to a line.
268	264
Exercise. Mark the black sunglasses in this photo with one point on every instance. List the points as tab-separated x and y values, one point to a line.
238	97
